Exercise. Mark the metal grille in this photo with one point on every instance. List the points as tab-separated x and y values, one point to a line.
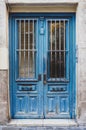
58	48
26	49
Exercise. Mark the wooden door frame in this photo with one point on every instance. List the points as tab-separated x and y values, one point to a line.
72	16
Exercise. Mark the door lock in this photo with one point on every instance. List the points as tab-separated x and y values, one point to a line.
39	77
44	78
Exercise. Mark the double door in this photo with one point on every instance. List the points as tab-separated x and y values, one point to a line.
42	66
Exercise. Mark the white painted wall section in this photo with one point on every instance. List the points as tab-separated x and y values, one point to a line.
3	58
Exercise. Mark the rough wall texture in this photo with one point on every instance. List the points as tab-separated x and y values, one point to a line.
81	70
81	75
3	73
3	96
2	24
42	1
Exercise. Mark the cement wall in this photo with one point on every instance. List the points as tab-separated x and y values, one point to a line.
3	63
81	73
63	6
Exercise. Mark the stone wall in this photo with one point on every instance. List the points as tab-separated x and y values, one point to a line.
80	41
81	73
3	96
42	1
3	64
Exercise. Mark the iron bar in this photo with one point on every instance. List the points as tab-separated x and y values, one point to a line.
55	53
33	52
28	48
20	48
64	49
51	47
60	49
24	53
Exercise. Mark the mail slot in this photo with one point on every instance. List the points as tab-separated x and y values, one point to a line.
27	88
57	89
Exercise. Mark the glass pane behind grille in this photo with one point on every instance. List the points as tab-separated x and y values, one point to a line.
26	48
56	49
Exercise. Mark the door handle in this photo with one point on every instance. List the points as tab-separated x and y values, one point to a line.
44	70
39	77
44	78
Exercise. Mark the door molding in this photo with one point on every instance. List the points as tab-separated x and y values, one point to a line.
43	8
11	43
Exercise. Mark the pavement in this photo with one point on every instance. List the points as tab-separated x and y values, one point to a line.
2	127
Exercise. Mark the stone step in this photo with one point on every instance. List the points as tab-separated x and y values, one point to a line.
42	128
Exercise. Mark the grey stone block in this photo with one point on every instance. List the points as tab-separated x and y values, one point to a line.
11	128
0	128
49	128
29	128
75	128
61	128
42	128
84	128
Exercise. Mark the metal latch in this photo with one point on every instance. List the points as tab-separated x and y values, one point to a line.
44	78
39	77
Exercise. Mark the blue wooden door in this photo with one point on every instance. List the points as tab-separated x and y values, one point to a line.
42	65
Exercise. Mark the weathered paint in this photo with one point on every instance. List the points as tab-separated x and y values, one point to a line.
38	103
80	41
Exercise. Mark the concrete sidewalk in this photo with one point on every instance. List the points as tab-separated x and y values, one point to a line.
42	128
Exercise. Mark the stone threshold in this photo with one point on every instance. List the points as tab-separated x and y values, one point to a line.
42	122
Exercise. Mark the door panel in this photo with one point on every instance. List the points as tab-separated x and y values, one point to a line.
41	66
27	88
58	83
57	106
